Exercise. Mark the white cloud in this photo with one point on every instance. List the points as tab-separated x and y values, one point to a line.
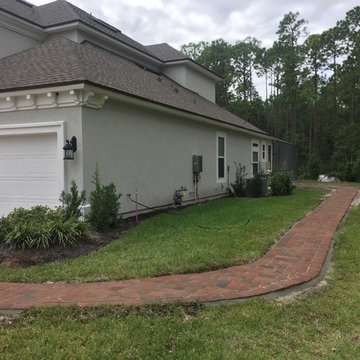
179	22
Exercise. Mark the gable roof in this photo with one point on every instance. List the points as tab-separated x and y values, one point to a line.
62	61
61	12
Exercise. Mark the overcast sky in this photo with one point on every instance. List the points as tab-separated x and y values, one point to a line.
179	22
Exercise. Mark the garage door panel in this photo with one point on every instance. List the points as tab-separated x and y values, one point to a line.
29	171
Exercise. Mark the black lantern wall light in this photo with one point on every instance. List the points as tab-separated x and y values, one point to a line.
69	149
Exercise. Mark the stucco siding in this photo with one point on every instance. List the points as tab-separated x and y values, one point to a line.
13	42
176	73
151	152
191	79
201	84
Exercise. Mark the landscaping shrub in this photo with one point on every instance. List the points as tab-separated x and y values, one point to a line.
105	204
40	227
73	201
281	184
239	185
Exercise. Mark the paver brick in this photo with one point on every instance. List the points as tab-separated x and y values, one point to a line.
295	259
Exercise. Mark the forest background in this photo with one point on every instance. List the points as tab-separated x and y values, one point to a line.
312	89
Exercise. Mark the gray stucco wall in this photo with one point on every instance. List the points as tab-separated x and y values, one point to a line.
151	152
13	42
191	79
200	83
72	126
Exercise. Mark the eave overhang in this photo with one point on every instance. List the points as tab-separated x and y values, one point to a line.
88	94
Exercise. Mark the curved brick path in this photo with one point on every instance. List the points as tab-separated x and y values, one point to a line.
296	258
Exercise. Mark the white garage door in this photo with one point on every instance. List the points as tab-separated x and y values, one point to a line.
29	171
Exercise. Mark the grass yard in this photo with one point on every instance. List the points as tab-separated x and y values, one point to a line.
321	325
208	236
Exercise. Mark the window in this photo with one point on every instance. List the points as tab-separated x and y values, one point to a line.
221	157
255	157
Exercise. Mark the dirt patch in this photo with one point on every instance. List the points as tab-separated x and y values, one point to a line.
30	257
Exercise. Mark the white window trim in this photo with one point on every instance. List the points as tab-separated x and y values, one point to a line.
56	127
220	180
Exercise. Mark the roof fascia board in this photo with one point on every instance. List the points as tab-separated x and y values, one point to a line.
173	111
21	26
131	99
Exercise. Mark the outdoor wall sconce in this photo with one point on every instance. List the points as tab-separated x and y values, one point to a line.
69	149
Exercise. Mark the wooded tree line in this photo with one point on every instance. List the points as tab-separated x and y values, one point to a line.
312	87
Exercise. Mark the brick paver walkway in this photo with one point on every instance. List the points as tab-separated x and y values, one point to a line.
295	259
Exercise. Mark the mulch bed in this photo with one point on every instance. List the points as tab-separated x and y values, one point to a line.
30	257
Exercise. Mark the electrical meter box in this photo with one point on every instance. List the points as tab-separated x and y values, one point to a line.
197	163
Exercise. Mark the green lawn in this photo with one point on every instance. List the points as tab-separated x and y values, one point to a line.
208	236
321	325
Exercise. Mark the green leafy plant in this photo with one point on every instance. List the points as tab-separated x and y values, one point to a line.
239	185
105	204
281	184
41	227
73	201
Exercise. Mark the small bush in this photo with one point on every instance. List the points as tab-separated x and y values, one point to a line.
281	184
40	227
239	185
73	201
105	204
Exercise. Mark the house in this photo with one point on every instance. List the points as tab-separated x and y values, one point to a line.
145	114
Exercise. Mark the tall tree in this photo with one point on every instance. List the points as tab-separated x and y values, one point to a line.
315	63
291	29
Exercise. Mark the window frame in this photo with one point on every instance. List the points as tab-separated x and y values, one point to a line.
220	179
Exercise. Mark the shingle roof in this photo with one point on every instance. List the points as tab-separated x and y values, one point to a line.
62	12
62	61
166	53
